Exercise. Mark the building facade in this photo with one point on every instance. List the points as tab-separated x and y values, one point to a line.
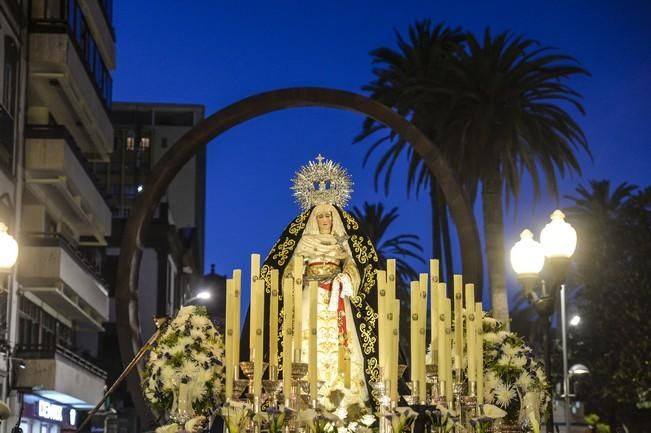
71	165
12	99
58	301
172	252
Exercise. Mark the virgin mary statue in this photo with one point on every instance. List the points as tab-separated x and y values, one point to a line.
343	261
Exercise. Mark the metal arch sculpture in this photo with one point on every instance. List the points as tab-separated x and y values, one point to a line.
128	324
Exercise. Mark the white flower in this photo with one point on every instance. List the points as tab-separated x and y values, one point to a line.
504	393
367	419
341	412
493	338
490	381
524	381
540	375
183	342
512	361
510	350
490	322
170	428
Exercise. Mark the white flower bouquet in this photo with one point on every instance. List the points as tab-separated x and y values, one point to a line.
189	355
513	379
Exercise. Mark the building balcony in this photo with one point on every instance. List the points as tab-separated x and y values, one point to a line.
58	374
99	16
58	174
75	96
57	273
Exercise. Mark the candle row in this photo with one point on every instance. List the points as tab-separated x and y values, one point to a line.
450	342
447	339
292	293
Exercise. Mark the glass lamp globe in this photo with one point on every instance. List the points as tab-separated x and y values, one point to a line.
527	255
558	238
8	249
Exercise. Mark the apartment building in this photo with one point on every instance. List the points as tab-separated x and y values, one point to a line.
12	92
174	239
172	253
62	299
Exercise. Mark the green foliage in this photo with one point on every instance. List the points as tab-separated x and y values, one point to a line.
495	106
613	264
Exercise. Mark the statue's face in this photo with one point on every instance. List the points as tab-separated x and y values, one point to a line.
324	221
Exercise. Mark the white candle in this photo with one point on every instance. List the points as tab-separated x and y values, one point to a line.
258	339
273	326
470	332
382	303
395	348
442	360
288	310
458	323
237	294
229	337
312	365
416	341
391	279
434	308
298	307
253	318
479	314
448	345
422	323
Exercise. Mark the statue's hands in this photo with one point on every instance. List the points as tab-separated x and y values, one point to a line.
346	285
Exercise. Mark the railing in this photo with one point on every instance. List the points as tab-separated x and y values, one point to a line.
51	239
6	138
60	132
69	19
49	351
107	10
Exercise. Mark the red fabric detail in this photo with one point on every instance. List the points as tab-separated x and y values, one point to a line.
341	315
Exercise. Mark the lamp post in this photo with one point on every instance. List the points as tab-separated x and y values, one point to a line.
558	239
558	242
527	259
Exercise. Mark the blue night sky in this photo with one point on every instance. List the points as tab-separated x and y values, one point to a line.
215	53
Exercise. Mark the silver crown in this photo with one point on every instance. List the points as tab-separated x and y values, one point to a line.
322	182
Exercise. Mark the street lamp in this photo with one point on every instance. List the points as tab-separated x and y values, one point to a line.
202	295
558	239
8	249
576	370
211	288
558	242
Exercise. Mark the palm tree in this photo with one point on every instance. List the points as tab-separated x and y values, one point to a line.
508	117
496	108
375	222
594	210
399	79
598	203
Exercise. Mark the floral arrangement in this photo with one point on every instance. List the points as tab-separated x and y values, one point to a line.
188	355
350	411
513	379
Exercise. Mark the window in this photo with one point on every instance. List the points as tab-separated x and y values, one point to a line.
144	143
10	76
36	327
53	14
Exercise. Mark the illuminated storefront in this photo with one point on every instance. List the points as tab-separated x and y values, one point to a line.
45	416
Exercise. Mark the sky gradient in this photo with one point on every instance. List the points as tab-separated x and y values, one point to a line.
216	53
